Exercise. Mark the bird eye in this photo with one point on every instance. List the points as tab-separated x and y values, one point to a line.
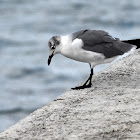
53	47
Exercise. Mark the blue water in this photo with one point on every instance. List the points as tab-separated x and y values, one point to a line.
26	82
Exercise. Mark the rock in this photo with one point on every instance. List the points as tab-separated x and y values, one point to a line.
108	110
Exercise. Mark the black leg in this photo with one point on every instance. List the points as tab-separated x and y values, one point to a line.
85	85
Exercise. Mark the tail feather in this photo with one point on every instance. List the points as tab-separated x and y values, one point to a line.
133	42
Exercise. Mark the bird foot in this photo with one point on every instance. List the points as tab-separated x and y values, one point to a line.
82	87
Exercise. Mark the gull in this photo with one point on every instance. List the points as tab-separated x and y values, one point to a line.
90	46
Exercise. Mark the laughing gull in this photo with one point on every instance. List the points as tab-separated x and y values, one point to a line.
90	46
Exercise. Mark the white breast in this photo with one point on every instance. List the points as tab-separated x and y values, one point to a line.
73	50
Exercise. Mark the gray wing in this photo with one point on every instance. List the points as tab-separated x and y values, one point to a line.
101	42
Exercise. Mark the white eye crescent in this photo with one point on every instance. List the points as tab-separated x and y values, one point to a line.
53	47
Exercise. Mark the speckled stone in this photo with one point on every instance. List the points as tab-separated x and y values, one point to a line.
110	109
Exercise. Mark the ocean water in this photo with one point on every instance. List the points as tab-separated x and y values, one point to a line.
26	81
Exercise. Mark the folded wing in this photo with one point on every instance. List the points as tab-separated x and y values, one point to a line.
101	42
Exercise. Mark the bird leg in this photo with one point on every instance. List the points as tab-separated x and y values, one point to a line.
89	79
85	85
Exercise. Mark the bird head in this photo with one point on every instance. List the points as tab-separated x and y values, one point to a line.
53	44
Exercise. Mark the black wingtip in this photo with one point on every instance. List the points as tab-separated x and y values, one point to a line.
133	42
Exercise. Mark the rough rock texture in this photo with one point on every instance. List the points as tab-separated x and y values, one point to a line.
108	110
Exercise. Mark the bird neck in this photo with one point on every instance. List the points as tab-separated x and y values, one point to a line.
65	47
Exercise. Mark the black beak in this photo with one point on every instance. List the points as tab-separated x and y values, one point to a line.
50	58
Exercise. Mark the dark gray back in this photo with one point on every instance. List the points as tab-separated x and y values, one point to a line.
101	42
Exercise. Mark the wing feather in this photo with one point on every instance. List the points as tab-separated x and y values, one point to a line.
101	42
